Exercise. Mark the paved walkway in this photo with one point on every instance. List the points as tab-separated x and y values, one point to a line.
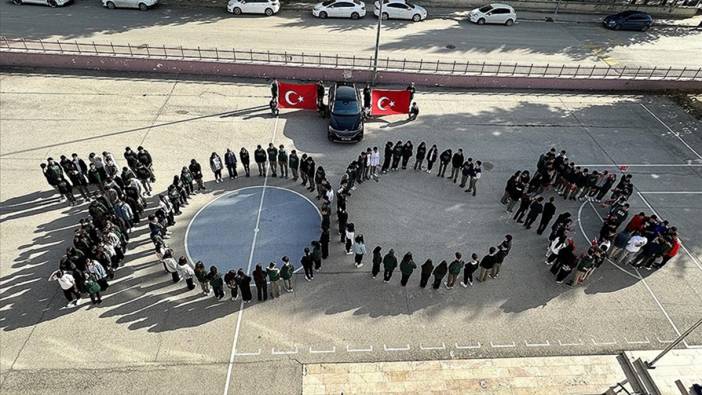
547	375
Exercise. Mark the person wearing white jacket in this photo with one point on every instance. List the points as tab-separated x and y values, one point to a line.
185	269
552	252
374	163
170	265
359	249
68	286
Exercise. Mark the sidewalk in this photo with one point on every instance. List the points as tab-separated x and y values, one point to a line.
546	375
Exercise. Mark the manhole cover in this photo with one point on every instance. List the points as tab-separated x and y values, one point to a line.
488	166
451	46
182	112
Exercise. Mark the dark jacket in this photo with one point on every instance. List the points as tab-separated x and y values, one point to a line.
441	270
244	156
488	261
427	268
431	155
445	156
421	151
260	155
389	262
549	211
293	161
306	261
455	267
407	266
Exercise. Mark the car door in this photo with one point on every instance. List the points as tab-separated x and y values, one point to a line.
334	10
394	10
343	9
499	15
254	6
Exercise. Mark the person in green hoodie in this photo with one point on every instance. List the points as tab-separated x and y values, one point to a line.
274	277
283	161
427	268
454	270
407	266
286	273
216	282
439	273
389	264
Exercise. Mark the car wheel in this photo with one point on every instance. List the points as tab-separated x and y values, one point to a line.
385	16
323	15
481	21
416	18
143	7
269	12
52	4
509	22
110	5
236	11
644	28
17	2
354	15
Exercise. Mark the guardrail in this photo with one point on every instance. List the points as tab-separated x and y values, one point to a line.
443	67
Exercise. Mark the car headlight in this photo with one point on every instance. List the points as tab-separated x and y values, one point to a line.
611	23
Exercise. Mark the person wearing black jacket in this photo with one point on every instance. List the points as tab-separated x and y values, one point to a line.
293	163
419	157
342	219
509	187
439	273
303	169
307	265
131	157
431	158
397	155
425	273
324	242
388	156
260	159
524	203
456	163
260	279
406	153
444	161
546	215
245	161
311	170
487	264
367	97
534	210
500	256
565	263
230	162
466	171
145	159
196	171
320	94
273	159
377	260
244	283
319	176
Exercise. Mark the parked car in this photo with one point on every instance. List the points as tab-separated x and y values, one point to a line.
267	7
345	113
400	9
140	4
628	20
50	3
502	14
353	9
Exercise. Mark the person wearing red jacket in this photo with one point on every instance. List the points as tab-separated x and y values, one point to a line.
636	223
672	251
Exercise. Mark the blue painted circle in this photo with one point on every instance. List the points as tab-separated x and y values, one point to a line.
222	233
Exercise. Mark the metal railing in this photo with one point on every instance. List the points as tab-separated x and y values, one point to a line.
365	63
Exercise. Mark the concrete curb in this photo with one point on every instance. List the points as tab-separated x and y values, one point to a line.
224	69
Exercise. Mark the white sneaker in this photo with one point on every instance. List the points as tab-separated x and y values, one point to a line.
233	298
307	278
349	253
464	285
359	265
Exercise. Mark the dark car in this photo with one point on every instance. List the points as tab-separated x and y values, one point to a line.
345	113
628	20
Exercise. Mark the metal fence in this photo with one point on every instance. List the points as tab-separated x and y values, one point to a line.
444	67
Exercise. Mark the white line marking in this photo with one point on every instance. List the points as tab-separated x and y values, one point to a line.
637	341
694	346
676	134
664	341
468	347
642	165
603	343
694	259
249	353
526	343
502	345
274	352
349	349
672	193
248	270
571	344
333	350
442	347
407	348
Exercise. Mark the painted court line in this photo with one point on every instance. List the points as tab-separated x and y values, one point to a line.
333	350
637	341
603	343
672	193
249	353
406	348
285	352
547	344
664	341
642	164
467	347
441	347
571	344
493	345
676	134
349	349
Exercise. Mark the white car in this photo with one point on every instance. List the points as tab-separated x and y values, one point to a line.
50	3
353	9
140	4
267	7
502	14
398	9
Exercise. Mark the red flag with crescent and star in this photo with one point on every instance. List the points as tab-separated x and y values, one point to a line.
387	102
302	96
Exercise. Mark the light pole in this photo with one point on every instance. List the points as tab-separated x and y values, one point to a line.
377	42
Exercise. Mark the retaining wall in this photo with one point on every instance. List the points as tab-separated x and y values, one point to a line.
174	66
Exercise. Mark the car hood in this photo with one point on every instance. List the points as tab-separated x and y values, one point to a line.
345	122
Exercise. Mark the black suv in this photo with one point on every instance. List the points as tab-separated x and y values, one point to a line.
345	113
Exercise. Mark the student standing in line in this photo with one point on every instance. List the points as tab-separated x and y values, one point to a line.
186	271
216	282
499	258
407	266
377	260
317	255
535	209
272	159
230	162
546	215
260	159
283	161
397	155
245	161
454	270
359	249
427	268
468	269
261	283
419	157
303	169
431	158
216	165
388	156
439	273
230	282
342	218
389	265
274	277
307	265
294	163
68	286
201	275
466	169
487	263
444	161
456	163
524	203
350	235
311	171
556	245
374	163
324	242
406	153
286	273
475	175
170	264
244	285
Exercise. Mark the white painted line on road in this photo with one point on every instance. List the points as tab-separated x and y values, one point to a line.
493	345
333	350
664	341
547	344
286	352
642	165
468	347
249	353
676	134
386	348
442	347
248	270
604	343
572	344
349	349
672	193
694	346
637	341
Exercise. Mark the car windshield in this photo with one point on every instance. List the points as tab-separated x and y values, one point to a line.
357	2
345	107
485	8
410	5
328	3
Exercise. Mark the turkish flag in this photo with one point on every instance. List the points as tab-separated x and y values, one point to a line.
297	96
386	102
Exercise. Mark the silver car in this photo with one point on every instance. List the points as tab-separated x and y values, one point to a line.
140	4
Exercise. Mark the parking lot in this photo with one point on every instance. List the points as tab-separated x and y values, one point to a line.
150	333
